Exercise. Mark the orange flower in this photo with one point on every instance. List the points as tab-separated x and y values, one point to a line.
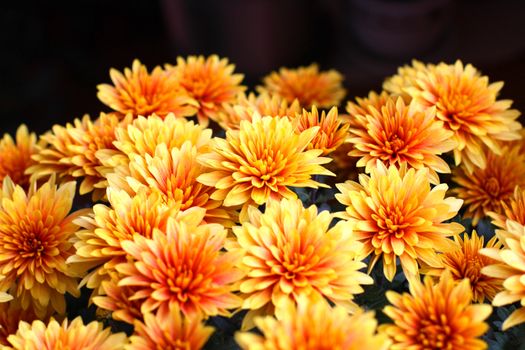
10	315
15	158
332	130
210	81
510	268
71	336
395	134
169	331
72	152
290	251
395	213
486	190
436	316
260	161
306	84
512	209
140	93
184	266
35	233
466	262
314	325
467	104
264	104
118	300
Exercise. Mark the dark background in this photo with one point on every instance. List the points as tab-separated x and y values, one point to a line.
52	55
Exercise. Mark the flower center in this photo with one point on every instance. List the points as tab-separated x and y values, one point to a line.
393	146
435	333
32	245
455	107
472	269
492	186
391	221
179	280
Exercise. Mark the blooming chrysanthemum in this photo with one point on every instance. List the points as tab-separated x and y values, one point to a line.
486	190
332	130
510	268
512	209
306	84
261	160
466	103
314	325
395	213
15	157
168	331
140	93
118	300
35	233
71	152
466	262
265	104
209	81
72	335
396	133
436	316
291	251
11	314
183	266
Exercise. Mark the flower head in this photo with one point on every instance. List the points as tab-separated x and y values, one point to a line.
260	161
468	105
314	325
396	133
73	336
436	316
487	190
35	234
141	93
15	155
395	214
209	81
290	251
512	209
306	84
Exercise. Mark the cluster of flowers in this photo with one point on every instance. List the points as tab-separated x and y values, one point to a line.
182	226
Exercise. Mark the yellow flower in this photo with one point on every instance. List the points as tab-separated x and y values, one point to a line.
436	316
510	268
71	336
260	161
291	251
35	233
512	209
314	325
184	266
171	330
15	157
486	190
140	93
332	130
468	105
209	81
306	84
71	152
395	213
396	133
466	262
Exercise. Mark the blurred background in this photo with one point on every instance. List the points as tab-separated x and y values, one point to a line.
53	55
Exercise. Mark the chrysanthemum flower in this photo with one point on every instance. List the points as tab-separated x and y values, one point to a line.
246	106
35	233
11	314
140	93
71	152
436	316
15	157
510	268
512	209
486	190
466	103
260	161
71	336
291	251
314	325
209	81
118	300
395	214
466	262
184	266
396	133
306	84
169	331
332	130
